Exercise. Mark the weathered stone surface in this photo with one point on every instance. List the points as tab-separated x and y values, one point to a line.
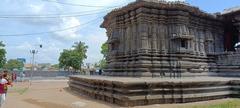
155	38
127	91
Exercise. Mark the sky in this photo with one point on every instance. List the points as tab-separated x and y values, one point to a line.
13	20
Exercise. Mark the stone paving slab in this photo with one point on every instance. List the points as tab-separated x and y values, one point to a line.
157	79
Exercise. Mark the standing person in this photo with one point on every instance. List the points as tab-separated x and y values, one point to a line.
3	82
13	77
100	72
6	77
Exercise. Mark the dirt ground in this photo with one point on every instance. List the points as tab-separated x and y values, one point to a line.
55	94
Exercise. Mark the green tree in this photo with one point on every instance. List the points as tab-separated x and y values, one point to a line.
64	59
73	58
2	54
14	64
104	50
102	63
81	49
55	66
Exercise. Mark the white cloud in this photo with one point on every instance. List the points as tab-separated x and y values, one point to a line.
51	44
94	3
19	51
24	46
49	53
175	0
36	8
95	41
70	34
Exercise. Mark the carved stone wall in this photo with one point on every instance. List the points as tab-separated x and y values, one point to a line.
229	58
158	38
228	64
231	21
161	39
237	24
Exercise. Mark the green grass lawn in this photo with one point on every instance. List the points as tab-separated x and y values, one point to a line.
234	103
21	91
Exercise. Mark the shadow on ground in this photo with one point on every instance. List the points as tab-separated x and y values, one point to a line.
45	104
80	95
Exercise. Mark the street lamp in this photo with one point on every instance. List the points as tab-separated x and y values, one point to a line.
33	52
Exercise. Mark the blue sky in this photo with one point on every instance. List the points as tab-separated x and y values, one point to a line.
54	43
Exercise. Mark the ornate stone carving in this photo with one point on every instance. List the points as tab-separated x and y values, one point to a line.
165	37
157	39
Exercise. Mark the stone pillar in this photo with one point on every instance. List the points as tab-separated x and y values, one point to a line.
127	41
154	37
133	37
134	32
211	45
186	31
238	27
196	40
221	37
239	33
139	24
237	24
144	36
218	36
191	42
201	42
121	40
150	36
127	34
161	35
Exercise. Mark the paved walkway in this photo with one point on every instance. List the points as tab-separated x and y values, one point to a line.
54	94
48	94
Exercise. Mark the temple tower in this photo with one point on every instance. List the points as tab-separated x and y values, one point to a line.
157	38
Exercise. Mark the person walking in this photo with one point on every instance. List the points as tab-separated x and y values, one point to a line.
3	82
6	77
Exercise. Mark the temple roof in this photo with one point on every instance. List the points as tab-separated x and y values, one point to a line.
158	4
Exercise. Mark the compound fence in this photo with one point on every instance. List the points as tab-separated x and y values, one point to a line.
43	75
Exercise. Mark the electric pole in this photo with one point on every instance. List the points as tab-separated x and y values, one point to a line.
33	52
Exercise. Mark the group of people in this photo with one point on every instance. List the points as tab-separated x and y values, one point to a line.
4	83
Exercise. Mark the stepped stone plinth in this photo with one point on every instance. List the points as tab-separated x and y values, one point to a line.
126	91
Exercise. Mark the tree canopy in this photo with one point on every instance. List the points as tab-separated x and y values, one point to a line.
102	63
55	66
73	58
81	49
2	54
14	64
104	50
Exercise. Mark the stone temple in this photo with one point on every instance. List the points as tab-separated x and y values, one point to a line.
151	42
154	38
